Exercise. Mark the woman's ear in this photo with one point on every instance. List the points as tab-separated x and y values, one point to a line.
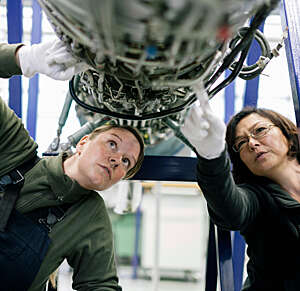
81	143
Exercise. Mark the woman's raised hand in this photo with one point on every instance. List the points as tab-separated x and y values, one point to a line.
204	130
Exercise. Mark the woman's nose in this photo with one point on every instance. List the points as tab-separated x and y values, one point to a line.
252	143
115	159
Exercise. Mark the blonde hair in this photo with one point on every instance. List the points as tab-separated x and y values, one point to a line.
53	277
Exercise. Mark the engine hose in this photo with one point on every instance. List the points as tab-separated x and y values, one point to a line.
234	73
252	71
258	18
150	116
229	59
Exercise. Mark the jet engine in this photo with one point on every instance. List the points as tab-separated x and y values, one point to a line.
145	56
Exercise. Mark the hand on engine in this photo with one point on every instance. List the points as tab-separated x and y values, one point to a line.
50	58
204	130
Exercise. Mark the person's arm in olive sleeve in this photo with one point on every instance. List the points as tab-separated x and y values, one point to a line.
8	61
93	260
16	146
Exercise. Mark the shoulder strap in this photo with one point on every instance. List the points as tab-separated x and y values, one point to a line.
49	216
10	186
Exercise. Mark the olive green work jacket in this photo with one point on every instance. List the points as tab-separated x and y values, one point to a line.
84	237
267	217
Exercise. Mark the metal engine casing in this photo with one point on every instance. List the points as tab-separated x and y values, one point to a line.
145	55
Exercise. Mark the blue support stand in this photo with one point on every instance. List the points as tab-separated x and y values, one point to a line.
15	33
238	253
225	260
250	99
33	91
290	19
135	259
238	260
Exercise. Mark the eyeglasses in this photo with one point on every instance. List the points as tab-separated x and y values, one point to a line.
258	132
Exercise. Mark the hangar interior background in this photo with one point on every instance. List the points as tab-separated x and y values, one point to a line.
183	216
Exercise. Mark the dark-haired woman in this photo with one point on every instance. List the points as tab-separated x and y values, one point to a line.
261	196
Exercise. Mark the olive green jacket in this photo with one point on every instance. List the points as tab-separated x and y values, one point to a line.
84	237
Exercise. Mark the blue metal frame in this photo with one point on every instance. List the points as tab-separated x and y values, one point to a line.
238	260
250	99
33	91
229	98
167	168
228	277
251	91
225	260
290	19
15	33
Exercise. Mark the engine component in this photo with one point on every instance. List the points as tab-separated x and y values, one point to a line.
145	55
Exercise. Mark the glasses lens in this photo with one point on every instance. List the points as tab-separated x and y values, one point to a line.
261	130
239	145
258	132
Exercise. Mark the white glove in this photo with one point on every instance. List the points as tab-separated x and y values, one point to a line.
204	130
49	58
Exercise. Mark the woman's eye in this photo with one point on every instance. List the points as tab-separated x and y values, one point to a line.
259	130
126	162
240	144
112	144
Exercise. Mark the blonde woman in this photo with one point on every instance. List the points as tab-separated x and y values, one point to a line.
49	209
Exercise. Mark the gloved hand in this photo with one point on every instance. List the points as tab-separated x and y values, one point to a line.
50	58
204	130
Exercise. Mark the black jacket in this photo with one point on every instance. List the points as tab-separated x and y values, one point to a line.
267	217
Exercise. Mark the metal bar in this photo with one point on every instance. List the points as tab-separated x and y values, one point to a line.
33	91
229	98
15	33
251	91
238	259
167	168
135	259
290	19
225	260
